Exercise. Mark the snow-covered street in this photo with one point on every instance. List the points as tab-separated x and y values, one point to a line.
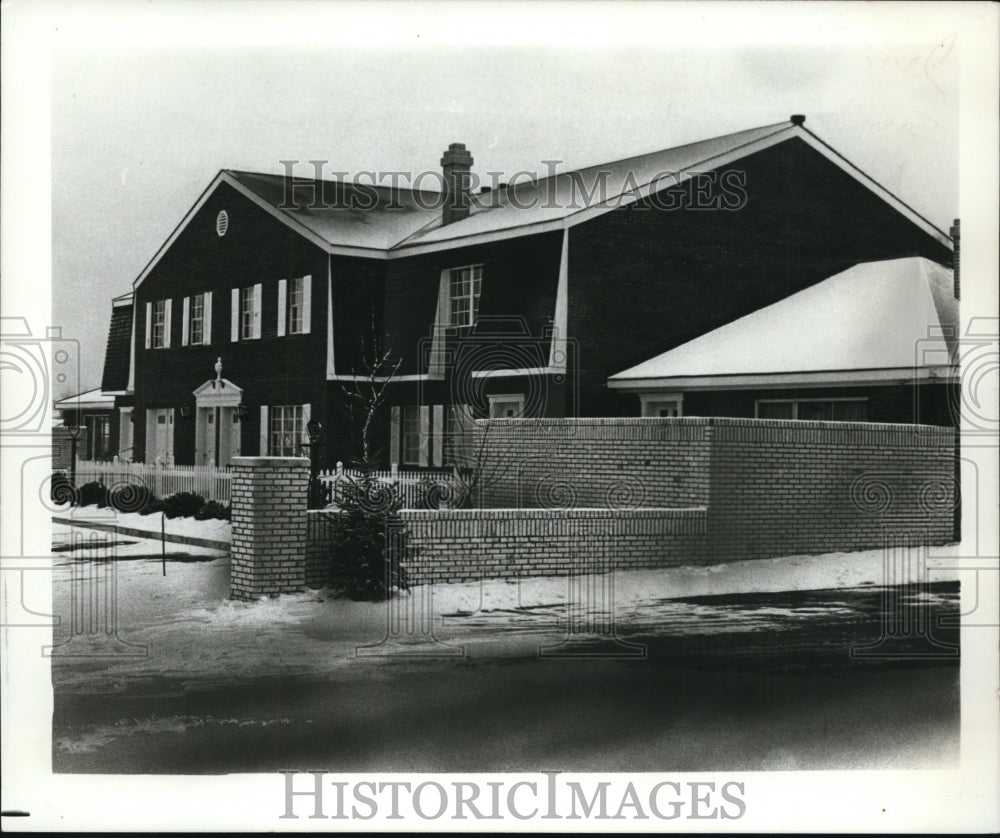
683	658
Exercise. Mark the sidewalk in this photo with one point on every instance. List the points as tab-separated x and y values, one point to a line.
214	533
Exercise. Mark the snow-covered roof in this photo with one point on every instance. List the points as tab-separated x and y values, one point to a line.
91	400
873	320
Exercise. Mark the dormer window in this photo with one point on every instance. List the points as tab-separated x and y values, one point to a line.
465	286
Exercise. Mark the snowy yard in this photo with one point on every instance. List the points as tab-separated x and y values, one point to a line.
196	634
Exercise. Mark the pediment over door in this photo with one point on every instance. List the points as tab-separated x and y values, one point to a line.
218	392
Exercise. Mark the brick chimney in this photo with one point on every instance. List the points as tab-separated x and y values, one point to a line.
456	164
956	236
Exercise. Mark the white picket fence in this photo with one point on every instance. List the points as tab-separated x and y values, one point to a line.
411	484
209	482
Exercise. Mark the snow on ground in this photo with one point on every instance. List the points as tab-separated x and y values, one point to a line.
214	529
194	633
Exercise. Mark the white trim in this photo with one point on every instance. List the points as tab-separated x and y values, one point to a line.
168	316
149	325
901	375
306	417
210	395
382	378
306	305
423	452
282	306
264	435
130	386
503	373
437	435
234	316
206	319
185	320
560	320
330	369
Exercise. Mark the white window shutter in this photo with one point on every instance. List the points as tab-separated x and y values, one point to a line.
425	433
306	416
437	426
185	320
149	325
306	304
282	302
444	299
170	434
150	436
168	307
234	320
206	329
263	430
395	455
257	296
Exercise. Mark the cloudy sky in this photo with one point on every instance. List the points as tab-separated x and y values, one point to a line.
138	131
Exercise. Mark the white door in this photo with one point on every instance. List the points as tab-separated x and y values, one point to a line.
160	435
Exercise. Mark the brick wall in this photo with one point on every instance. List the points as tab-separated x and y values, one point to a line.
268	526
771	487
628	462
740	488
470	544
783	487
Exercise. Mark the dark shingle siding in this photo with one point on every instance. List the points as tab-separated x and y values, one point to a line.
116	358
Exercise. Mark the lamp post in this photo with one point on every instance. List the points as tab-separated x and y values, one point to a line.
74	432
314	428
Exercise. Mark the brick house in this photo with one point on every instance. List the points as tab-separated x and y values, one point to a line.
520	299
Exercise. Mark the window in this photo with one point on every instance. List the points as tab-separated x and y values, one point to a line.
287	430
412	439
295	301
662	405
465	285
246	313
812	410
159	324
506	407
98	437
196	323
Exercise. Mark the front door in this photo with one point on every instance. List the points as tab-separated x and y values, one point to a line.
217	436
160	435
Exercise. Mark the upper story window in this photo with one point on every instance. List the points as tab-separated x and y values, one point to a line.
245	313
196	323
294	305
295	301
158	324
465	285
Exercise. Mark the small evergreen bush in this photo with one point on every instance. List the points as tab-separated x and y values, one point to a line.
213	509
93	493
182	504
369	543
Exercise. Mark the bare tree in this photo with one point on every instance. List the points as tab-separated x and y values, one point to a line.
365	396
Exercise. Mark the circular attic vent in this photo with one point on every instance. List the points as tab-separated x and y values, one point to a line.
222	223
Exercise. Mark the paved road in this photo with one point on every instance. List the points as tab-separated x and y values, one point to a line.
742	682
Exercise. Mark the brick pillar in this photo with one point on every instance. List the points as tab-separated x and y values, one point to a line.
269	526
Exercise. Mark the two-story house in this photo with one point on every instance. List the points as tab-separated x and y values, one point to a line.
522	299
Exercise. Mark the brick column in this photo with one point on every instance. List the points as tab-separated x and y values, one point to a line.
269	526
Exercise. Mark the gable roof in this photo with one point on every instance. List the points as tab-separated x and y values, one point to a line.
894	318
384	223
118	354
90	400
